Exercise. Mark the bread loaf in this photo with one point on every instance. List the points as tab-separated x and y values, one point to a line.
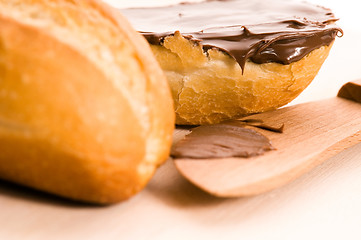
85	110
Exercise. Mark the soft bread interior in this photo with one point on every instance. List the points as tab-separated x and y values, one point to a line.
209	86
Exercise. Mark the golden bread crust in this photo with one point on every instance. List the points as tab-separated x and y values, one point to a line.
210	87
70	125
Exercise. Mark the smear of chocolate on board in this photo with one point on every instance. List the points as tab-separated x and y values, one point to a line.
223	140
227	139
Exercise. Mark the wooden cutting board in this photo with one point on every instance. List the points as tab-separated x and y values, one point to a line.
313	132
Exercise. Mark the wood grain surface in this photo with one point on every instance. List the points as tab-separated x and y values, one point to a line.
314	132
322	204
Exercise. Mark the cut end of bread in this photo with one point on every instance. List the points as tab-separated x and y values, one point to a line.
209	86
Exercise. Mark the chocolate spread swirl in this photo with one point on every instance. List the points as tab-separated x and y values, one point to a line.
261	31
223	140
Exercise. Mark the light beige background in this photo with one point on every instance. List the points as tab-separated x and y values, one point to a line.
323	204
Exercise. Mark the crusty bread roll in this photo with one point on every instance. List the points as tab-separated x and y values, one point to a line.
85	110
226	59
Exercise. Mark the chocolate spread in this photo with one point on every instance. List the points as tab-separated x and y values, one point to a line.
230	139
351	91
262	31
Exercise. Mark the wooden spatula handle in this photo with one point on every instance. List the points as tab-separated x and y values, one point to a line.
351	91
